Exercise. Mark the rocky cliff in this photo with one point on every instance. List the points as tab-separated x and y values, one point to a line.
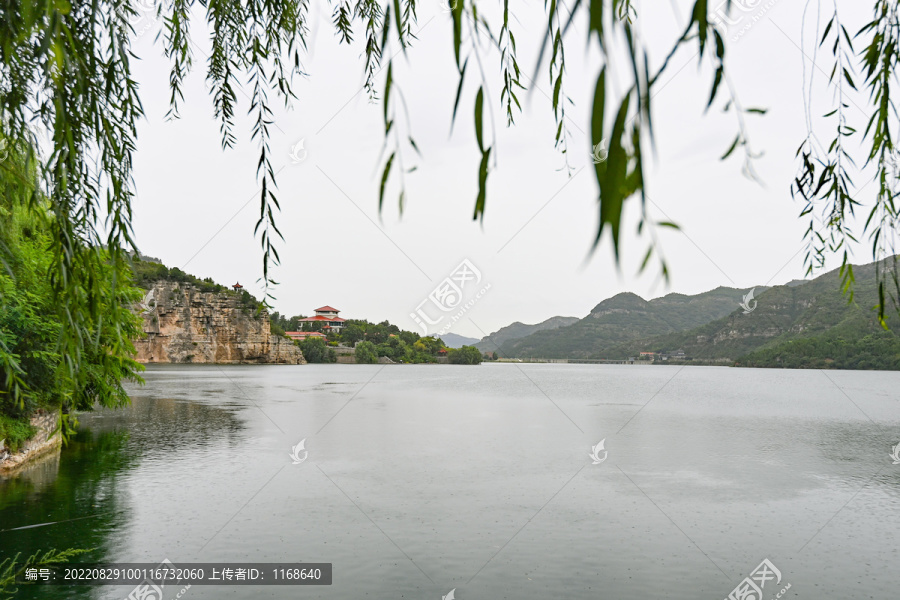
184	325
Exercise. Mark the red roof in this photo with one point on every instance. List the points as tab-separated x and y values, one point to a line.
237	285
327	309
324	318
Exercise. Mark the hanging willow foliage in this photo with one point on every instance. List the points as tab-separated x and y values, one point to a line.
66	67
825	179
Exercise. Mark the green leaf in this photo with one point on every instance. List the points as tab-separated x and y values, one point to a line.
482	186
479	115
599	108
827	29
720	71
720	46
462	78
596	21
611	176
701	17
647	96
398	16
384	178
556	90
646	259
849	78
387	89
456	13
731	148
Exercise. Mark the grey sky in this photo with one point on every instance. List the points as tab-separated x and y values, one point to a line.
533	248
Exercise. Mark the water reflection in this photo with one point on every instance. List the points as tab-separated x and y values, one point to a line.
80	497
83	481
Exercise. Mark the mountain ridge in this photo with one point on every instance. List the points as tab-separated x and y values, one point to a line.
623	318
454	340
800	323
814	313
515	330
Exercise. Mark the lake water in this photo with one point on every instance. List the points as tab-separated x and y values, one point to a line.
422	479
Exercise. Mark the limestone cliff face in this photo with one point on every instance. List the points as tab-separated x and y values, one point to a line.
184	325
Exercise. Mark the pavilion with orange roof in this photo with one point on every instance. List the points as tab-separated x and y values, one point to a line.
328	317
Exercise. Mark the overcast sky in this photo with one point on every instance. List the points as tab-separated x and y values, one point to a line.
197	204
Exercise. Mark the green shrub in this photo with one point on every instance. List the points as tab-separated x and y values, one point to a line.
315	351
15	432
467	355
365	353
146	273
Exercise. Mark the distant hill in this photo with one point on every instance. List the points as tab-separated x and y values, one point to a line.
453	340
624	318
800	324
517	330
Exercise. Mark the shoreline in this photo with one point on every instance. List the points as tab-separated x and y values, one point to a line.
46	439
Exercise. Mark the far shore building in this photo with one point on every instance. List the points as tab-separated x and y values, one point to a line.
303	335
328	317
